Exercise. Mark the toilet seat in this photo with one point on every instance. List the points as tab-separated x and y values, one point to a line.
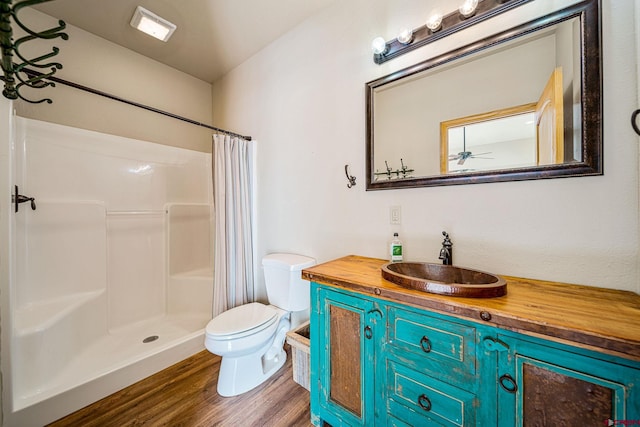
241	321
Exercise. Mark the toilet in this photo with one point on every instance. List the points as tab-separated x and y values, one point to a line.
250	337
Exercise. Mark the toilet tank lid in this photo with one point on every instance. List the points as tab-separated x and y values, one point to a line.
290	262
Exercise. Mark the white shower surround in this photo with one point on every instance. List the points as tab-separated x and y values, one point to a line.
118	249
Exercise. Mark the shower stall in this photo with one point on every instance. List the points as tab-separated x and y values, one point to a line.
111	275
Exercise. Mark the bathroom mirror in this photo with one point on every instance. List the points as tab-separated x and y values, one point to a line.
519	105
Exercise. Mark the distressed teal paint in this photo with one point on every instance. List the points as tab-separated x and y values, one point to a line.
459	374
607	371
323	408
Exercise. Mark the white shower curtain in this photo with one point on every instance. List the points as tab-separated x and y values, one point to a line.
233	197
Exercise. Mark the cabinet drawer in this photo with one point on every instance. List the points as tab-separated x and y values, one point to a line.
394	422
432	343
418	399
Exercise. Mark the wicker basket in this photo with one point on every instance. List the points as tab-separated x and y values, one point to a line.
298	339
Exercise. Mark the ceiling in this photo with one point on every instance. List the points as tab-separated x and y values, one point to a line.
213	36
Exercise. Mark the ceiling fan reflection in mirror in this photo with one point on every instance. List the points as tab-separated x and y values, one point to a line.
463	155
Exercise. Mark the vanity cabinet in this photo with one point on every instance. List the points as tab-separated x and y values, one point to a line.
375	363
380	359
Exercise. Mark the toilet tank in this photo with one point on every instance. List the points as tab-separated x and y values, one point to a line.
282	276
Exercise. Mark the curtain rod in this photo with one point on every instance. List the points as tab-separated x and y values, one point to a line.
133	103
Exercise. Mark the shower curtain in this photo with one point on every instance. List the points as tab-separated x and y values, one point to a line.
233	197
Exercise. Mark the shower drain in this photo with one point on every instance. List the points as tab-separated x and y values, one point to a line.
152	338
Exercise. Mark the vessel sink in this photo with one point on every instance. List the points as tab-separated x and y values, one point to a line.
445	279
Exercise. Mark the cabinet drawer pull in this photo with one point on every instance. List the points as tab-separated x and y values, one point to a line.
425	344
508	383
368	333
424	402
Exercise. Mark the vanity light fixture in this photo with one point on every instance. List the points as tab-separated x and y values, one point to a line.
434	23
468	8
405	36
152	24
379	46
438	26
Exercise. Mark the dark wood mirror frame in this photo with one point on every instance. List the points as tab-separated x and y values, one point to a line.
591	75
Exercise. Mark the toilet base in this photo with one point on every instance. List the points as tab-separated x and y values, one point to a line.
241	374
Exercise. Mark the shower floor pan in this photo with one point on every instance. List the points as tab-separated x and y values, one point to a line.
111	363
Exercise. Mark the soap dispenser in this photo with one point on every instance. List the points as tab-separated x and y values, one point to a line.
396	248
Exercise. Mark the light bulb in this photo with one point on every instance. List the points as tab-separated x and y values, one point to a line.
434	23
379	46
468	8
405	36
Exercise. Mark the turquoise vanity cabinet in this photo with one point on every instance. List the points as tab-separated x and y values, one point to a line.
354	362
382	355
375	363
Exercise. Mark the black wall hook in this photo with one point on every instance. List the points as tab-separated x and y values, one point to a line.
634	123
351	178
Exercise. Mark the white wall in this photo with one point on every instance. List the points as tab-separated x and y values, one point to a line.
94	62
302	98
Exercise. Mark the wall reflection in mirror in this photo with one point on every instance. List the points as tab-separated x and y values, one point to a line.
506	142
511	107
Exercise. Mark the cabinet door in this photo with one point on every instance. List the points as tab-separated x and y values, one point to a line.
541	385
342	358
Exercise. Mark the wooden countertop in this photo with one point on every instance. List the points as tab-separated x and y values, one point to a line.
602	319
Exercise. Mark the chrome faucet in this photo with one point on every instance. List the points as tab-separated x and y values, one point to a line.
446	253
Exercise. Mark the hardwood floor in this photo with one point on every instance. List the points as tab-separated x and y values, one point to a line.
185	395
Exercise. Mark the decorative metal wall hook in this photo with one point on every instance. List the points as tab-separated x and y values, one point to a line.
351	178
13	80
634	122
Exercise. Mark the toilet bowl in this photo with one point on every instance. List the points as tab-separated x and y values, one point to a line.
242	336
250	337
